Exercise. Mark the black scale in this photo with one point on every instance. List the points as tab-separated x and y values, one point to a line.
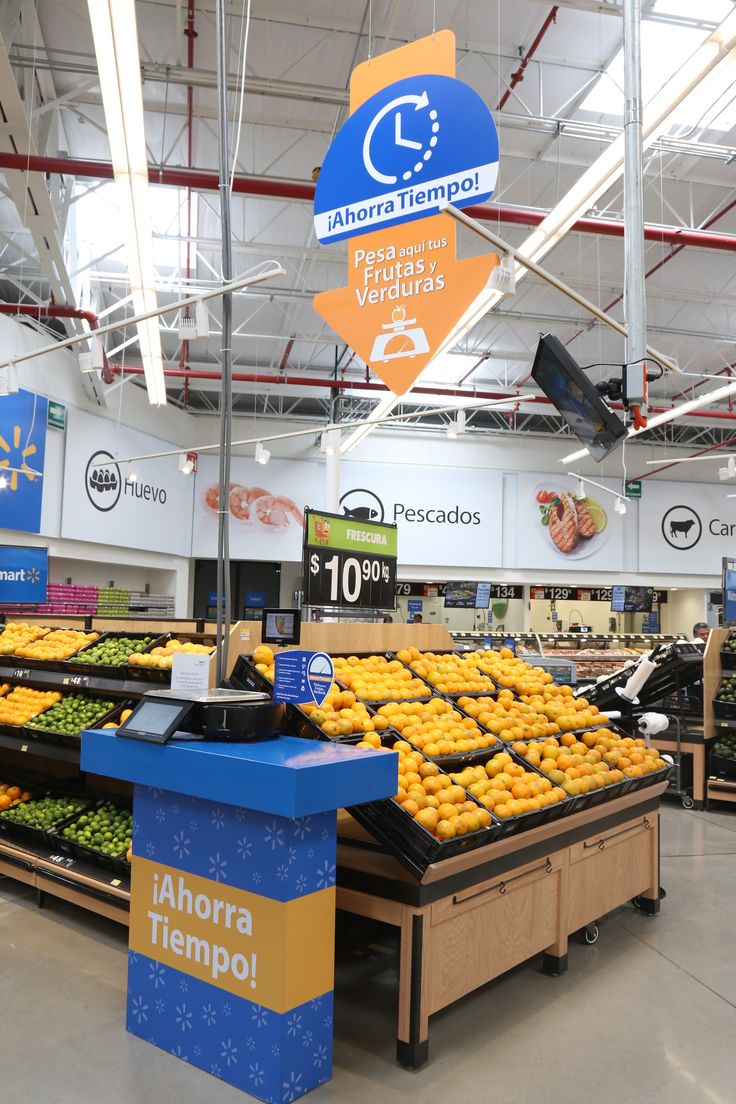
237	715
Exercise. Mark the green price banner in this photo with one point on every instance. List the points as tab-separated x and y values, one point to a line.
350	534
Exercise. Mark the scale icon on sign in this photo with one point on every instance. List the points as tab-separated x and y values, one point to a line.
403	339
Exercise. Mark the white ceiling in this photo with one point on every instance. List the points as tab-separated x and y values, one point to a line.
300	55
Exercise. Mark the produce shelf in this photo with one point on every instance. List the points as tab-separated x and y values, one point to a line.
72	879
33	746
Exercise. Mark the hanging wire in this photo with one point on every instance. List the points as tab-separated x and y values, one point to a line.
243	52
370	29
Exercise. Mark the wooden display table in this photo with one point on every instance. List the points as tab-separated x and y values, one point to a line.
475	916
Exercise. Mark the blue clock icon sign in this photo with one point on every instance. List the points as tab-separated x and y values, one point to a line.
407	124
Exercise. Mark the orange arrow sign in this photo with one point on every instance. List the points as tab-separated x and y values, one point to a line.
406	293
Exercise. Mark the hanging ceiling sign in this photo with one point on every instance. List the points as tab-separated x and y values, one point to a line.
410	146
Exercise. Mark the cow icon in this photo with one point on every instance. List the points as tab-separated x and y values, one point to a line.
684	527
681	528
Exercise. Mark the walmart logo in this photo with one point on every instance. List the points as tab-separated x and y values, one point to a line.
33	575
15	459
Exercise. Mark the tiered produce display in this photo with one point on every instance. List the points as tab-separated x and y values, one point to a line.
20	704
519	748
113	650
162	656
56	644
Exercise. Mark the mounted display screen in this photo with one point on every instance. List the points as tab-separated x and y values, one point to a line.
576	398
154	720
631	599
467	595
281	626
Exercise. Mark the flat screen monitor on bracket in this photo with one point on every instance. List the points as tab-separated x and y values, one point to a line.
576	398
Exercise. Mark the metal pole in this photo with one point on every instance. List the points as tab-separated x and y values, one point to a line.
223	524
635	303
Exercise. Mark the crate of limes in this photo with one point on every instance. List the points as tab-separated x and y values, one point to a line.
65	722
32	820
110	654
102	835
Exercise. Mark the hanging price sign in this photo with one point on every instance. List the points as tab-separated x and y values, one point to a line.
349	562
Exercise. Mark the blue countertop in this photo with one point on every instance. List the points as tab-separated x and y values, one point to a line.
287	776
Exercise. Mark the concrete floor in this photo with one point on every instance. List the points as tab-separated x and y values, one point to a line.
648	1014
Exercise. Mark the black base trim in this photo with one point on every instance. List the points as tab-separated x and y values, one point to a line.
554	965
412	1055
648	905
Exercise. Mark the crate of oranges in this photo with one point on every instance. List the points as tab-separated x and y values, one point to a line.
376	679
597	764
436	728
429	818
340	717
448	674
22	703
515	792
17	633
56	644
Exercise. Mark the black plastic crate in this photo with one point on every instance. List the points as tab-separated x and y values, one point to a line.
244	676
65	739
117	863
722	765
728	659
14	830
116	670
650	779
163	674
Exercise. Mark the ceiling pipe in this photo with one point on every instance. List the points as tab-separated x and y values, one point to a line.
675	464
518	76
271	188
51	310
360	385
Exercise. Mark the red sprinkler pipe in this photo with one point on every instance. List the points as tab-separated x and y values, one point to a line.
51	310
360	385
303	192
518	76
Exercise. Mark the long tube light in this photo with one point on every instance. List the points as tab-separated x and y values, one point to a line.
115	36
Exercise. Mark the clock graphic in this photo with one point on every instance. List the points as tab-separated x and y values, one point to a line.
400	139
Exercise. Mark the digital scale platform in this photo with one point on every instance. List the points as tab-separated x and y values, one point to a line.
237	715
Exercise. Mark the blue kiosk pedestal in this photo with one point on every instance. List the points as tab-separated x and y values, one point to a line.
231	950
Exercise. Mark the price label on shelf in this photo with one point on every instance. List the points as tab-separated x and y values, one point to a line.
349	562
76	680
22	672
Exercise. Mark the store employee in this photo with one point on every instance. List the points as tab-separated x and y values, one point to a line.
700	632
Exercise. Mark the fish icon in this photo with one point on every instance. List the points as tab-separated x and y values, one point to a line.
361	513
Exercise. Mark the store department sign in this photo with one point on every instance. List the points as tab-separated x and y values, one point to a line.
22	453
24	574
410	146
686	527
154	512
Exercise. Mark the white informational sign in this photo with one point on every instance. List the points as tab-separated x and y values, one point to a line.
445	515
154	513
555	529
450	516
190	672
686	527
266	505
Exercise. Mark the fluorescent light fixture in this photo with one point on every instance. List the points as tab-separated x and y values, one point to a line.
384	408
574	456
456	427
729	471
731	496
4	483
262	454
131	475
116	46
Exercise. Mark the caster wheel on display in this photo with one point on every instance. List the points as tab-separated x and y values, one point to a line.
591	934
688	803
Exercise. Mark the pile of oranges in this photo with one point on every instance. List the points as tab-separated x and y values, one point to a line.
264	660
22	703
342	715
18	633
510	671
435	727
508	718
428	795
505	788
57	644
375	678
448	674
12	795
591	760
